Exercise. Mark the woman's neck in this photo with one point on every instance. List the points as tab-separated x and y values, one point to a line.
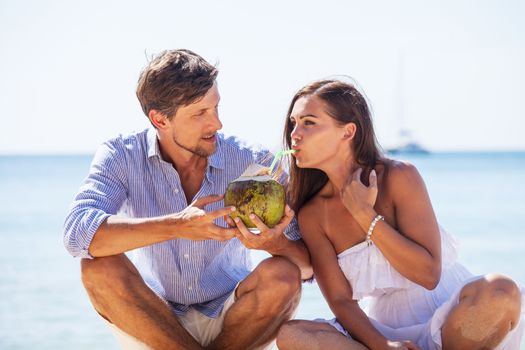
339	172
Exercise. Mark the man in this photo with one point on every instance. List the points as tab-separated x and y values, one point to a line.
190	285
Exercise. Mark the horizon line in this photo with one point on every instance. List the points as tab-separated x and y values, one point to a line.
445	151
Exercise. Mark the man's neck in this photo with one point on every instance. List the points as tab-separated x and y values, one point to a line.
183	160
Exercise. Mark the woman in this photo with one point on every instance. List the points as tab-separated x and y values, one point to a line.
371	231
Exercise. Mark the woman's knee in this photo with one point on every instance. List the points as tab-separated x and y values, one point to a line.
503	295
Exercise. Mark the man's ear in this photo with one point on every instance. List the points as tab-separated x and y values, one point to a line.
158	119
349	131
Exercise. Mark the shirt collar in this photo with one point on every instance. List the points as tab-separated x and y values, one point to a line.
216	160
153	144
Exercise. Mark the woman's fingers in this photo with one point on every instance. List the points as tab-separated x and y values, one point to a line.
357	175
373	179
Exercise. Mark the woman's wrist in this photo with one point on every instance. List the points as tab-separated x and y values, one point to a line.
365	217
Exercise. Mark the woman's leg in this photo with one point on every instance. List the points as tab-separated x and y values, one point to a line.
488	309
299	334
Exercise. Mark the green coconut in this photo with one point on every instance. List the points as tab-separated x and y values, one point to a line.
256	192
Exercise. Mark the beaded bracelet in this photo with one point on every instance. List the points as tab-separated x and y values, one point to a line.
371	228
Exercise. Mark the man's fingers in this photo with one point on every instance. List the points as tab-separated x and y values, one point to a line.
242	228
220	212
229	221
287	218
203	201
224	234
258	222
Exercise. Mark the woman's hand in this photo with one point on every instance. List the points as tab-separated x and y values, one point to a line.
356	197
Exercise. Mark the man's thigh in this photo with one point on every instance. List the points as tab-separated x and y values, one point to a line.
202	328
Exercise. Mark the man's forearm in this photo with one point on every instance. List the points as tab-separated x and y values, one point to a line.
118	234
296	252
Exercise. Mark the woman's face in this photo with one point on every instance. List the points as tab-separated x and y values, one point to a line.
316	137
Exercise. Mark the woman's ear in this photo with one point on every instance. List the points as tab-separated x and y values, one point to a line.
158	119
349	131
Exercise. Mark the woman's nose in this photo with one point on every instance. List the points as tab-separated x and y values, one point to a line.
296	134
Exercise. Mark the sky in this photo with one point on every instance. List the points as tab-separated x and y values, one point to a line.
450	72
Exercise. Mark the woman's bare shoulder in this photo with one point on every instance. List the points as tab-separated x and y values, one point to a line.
309	216
403	176
401	170
309	207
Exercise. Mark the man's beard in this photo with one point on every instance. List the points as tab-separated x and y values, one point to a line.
199	151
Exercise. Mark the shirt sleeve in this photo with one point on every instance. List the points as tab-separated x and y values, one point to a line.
101	195
265	158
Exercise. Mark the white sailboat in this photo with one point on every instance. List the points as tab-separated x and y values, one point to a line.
407	145
406	142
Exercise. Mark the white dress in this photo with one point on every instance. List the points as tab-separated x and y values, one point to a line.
403	310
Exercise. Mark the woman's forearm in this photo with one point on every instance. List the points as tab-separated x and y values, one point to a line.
409	258
357	323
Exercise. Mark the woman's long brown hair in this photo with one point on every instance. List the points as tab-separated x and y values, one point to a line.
346	105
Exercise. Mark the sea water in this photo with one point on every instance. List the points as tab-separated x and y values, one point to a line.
478	197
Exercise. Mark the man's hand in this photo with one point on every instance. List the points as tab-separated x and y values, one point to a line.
271	240
196	224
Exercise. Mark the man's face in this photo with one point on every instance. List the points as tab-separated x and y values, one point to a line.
194	127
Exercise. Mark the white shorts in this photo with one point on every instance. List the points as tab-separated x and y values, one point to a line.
201	327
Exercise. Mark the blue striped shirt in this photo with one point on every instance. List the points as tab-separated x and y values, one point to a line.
129	177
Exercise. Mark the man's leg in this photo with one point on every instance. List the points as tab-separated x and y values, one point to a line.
311	335
265	300
119	294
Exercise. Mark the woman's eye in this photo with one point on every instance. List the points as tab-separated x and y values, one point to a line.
309	122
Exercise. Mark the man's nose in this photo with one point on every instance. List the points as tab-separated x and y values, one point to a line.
216	122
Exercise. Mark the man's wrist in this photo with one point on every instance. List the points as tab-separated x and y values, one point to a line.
281	247
167	226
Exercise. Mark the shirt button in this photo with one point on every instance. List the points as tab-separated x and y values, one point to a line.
190	288
186	256
176	191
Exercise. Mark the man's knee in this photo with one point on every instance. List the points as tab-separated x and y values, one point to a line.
287	335
105	272
281	275
289	331
301	334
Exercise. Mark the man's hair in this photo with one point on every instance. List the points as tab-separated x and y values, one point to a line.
172	79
